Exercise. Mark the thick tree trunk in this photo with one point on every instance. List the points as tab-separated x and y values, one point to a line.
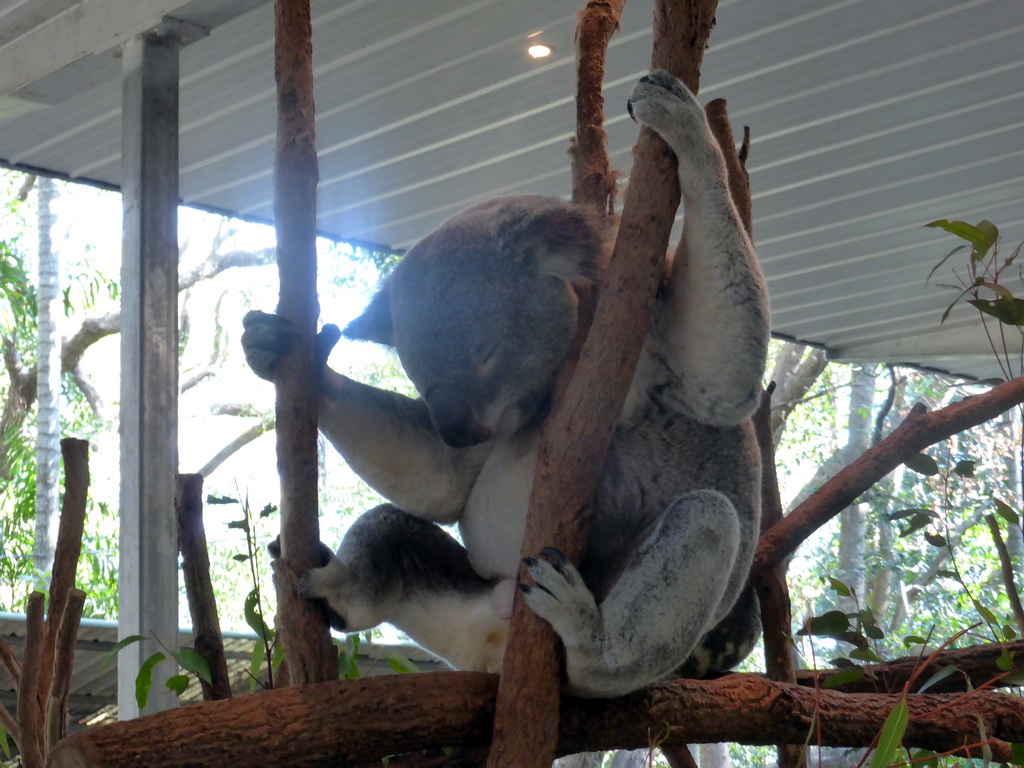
355	722
48	313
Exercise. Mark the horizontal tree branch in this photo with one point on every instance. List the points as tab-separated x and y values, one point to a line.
918	431
357	721
976	665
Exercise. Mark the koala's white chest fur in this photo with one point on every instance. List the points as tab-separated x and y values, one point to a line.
495	514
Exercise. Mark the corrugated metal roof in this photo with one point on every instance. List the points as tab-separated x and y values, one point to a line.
93	698
869	119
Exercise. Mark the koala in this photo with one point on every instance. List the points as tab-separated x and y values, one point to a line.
481	313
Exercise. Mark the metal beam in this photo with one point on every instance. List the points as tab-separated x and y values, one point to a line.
88	27
148	576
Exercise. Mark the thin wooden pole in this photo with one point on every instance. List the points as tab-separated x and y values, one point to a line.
307	643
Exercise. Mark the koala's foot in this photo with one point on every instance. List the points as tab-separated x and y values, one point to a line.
664	104
559	596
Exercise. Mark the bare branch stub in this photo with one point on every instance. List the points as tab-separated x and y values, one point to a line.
63	667
30	714
304	632
202	603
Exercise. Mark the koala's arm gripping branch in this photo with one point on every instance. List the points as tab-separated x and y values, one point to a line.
579	431
311	656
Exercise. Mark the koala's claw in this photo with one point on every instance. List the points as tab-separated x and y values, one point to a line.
558	560
560	596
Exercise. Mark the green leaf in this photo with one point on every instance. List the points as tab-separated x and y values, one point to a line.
259	653
843	677
864	654
253	617
194	662
935	539
904	513
1005	660
1009	311
144	680
239	525
910	640
1009	633
240	558
947	574
1017	754
892	734
400	664
838	587
121	644
278	658
5	747
916	523
982	237
924	758
267	511
1014	678
965	467
178	683
211	499
923	464
831	624
939	676
985	613
1006	512
942	261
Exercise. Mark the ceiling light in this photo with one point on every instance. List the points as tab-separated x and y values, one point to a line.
539	50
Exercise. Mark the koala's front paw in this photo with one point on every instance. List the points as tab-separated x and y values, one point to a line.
660	101
265	341
560	597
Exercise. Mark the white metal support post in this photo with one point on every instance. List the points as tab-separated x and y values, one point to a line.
148	576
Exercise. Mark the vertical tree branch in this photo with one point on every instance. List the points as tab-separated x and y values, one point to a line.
202	603
1006	567
30	714
63	666
593	181
578	432
311	656
68	549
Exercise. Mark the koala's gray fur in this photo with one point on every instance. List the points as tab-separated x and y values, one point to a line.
482	313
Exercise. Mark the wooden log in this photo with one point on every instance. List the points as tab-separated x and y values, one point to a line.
918	431
69	546
202	603
303	627
355	722
30	714
63	667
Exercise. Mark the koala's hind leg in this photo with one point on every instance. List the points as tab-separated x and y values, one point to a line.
671	591
711	329
398	568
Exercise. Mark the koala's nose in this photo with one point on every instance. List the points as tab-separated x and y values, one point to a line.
455	423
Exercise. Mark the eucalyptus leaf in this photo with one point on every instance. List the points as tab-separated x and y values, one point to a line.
211	499
178	683
938	677
845	676
118	647
831	624
144	680
923	464
194	662
892	734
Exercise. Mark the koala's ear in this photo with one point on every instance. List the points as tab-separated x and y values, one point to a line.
375	322
569	244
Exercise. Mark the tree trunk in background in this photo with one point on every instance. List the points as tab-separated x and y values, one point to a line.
854	519
47	383
715	756
580	760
